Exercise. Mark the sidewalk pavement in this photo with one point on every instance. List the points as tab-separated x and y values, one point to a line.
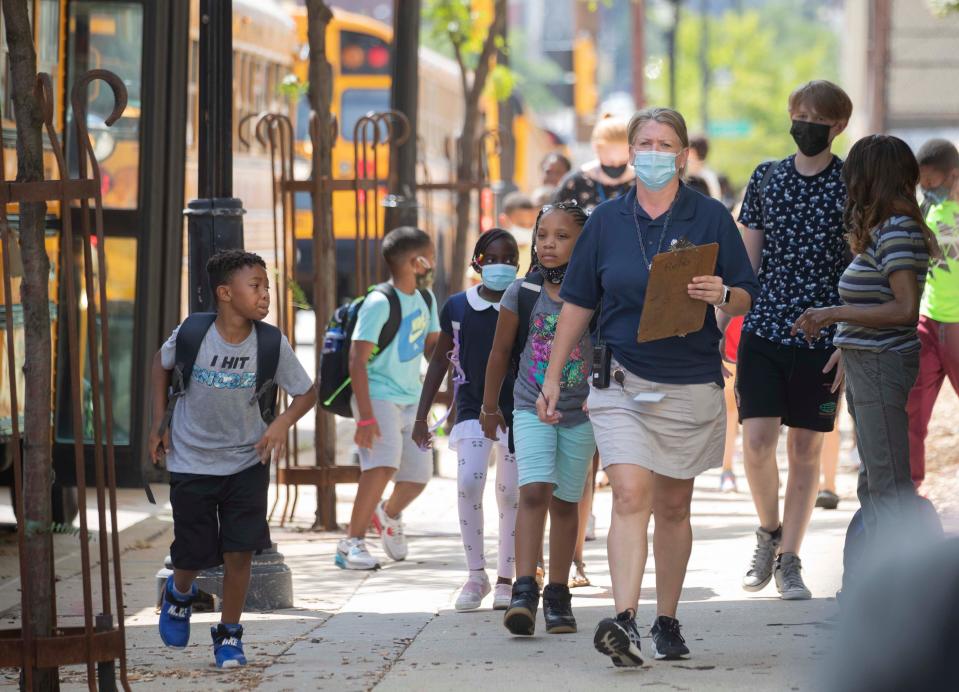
395	629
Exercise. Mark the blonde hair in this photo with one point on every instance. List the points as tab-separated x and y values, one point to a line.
609	129
665	116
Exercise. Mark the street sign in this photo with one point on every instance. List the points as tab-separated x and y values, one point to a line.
729	129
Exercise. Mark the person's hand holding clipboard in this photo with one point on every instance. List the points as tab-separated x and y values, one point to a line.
681	284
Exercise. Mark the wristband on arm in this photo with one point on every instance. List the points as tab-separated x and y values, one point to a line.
365	423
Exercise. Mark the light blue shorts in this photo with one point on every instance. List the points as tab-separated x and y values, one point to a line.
553	454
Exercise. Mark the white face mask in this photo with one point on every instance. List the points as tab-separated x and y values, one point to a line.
521	233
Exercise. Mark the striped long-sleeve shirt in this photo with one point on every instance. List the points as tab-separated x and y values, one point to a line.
896	245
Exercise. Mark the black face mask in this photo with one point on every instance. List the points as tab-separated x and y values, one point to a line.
552	274
614	171
811	138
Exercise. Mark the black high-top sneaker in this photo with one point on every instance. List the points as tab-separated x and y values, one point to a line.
520	617
558	609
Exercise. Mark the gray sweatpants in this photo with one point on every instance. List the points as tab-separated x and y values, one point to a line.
877	388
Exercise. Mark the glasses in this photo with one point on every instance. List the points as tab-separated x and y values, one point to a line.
564	206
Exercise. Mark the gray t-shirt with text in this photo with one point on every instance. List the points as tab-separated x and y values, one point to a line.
574	384
216	425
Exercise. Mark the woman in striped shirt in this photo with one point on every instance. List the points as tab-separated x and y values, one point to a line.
876	335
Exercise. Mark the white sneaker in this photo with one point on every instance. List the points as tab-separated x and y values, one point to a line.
472	593
351	553
591	528
502	595
391	533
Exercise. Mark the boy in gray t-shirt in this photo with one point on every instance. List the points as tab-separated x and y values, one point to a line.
218	449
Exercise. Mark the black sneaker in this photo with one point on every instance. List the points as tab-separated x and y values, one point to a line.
618	638
558	609
668	643
520	617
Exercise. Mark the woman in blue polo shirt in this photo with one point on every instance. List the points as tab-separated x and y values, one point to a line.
653	450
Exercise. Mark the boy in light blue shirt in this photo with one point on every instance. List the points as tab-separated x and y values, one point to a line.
386	391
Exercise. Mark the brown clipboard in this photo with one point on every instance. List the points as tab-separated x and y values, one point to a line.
668	310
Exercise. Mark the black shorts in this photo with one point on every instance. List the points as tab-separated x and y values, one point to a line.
787	382
213	515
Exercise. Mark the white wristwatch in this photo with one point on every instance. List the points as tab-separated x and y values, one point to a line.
726	295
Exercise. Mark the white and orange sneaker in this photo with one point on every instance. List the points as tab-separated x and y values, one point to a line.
391	533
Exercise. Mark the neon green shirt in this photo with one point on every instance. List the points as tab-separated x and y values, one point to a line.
940	301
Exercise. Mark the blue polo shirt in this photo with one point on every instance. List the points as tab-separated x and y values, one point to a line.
607	266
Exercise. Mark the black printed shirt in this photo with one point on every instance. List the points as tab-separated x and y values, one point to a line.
804	250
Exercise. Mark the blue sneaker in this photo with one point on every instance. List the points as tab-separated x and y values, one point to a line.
175	614
228	645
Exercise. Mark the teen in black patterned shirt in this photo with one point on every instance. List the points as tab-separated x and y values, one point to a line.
793	231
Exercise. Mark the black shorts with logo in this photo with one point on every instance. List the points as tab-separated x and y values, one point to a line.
787	382
213	515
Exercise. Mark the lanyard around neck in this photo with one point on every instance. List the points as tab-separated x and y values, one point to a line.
662	235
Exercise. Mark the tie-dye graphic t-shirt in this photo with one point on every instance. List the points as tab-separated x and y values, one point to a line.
940	301
574	384
216	425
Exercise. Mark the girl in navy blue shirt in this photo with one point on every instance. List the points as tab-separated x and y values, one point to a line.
467	325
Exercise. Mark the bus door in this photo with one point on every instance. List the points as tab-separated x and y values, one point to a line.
141	161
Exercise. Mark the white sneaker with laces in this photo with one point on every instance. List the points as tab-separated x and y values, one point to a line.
351	553
391	533
472	593
502	595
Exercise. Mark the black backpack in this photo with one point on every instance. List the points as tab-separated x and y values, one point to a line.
188	339
335	384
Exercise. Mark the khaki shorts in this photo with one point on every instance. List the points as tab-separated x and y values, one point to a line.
679	437
395	447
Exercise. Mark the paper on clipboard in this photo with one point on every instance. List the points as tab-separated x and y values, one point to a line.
667	309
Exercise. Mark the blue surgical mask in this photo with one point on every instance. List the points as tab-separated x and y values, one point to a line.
498	277
654	168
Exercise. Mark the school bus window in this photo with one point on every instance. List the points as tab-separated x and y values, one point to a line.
107	35
121	257
356	103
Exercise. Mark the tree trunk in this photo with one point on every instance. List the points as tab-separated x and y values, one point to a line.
466	164
324	249
34	296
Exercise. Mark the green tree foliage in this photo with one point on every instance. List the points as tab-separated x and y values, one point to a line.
944	7
756	59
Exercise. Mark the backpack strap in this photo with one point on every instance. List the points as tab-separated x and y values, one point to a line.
457	308
529	292
189	337
764	183
268	340
392	326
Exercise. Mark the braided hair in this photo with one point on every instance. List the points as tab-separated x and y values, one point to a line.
485	240
579	215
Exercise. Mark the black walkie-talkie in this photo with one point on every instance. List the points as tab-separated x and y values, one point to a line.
601	363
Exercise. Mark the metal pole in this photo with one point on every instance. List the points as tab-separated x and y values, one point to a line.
639	53
401	205
704	64
215	220
507	144
671	47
